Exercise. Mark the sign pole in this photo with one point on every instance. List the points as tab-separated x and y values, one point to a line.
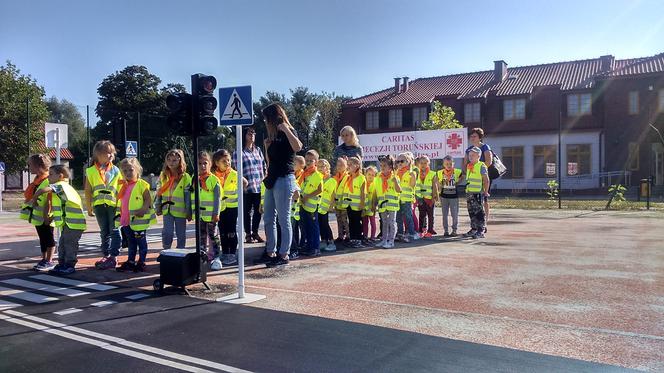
57	146
240	209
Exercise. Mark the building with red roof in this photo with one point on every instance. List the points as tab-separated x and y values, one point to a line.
603	106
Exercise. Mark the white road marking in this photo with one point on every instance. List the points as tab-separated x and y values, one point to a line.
103	303
22	317
137	296
25	295
5	305
44	287
75	283
68	311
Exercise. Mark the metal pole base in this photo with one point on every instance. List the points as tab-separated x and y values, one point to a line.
235	298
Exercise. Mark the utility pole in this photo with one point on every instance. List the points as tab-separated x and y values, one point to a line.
138	141
560	151
27	125
87	121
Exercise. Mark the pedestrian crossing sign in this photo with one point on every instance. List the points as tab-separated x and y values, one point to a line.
236	106
131	149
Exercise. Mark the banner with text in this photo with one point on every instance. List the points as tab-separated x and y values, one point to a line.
435	144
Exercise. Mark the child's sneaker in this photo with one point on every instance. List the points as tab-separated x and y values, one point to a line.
278	261
416	237
322	246
291	256
389	245
470	233
381	244
405	239
109	263
47	266
427	235
140	266
478	235
101	262
454	233
446	235
126	266
216	265
40	265
231	260
67	270
331	247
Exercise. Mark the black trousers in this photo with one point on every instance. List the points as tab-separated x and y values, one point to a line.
324	225
227	230
252	201
355	224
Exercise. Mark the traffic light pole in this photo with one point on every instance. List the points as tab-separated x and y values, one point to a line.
240	208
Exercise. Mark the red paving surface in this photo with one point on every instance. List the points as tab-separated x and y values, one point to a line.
577	284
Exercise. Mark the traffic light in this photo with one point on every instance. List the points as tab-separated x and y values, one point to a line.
204	104
179	120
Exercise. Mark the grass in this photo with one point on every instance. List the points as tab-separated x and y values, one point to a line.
543	204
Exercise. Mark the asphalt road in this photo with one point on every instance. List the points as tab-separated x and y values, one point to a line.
126	329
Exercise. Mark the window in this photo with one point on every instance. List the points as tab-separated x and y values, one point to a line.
579	104
545	159
471	112
514	109
372	120
633	161
578	159
395	118
513	159
633	103
419	114
661	100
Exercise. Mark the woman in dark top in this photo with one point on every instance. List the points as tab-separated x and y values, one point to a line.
351	145
281	146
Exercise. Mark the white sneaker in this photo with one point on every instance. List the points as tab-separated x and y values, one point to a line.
381	244
416	237
216	264
389	245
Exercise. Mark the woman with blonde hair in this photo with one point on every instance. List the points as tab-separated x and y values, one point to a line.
350	147
281	145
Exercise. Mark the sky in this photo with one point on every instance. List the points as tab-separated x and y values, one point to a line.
345	47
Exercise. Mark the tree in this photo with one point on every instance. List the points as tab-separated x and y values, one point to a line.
133	95
323	138
441	117
63	111
303	109
15	90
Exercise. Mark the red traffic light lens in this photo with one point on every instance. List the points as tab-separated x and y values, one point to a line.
208	84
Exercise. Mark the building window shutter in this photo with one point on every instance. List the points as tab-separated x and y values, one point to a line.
407	117
383	119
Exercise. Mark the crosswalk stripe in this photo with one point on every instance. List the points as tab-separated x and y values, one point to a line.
5	305
68	311
137	296
103	303
75	283
26	295
45	287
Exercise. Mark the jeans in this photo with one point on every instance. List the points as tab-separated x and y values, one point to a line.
405	214
109	234
450	207
252	201
136	240
172	223
278	202
68	246
310	229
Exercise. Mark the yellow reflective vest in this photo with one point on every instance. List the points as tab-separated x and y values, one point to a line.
229	194
71	212
329	186
388	200
207	198
451	186
407	192
173	200
309	185
424	189
137	222
103	193
474	178
340	201
354	197
36	215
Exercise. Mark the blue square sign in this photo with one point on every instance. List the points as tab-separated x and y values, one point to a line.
131	149
235	106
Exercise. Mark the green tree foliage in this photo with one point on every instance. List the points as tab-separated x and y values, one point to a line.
323	138
15	90
303	107
552	190
441	117
134	95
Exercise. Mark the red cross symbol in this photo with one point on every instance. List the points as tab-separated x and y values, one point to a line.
454	141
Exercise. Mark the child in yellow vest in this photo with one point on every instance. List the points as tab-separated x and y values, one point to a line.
312	187
210	194
325	205
39	215
173	199
355	190
68	216
388	190
407	179
135	214
101	192
369	213
426	192
448	180
299	239
477	189
228	178
340	203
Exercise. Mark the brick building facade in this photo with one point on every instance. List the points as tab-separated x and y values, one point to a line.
603	106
